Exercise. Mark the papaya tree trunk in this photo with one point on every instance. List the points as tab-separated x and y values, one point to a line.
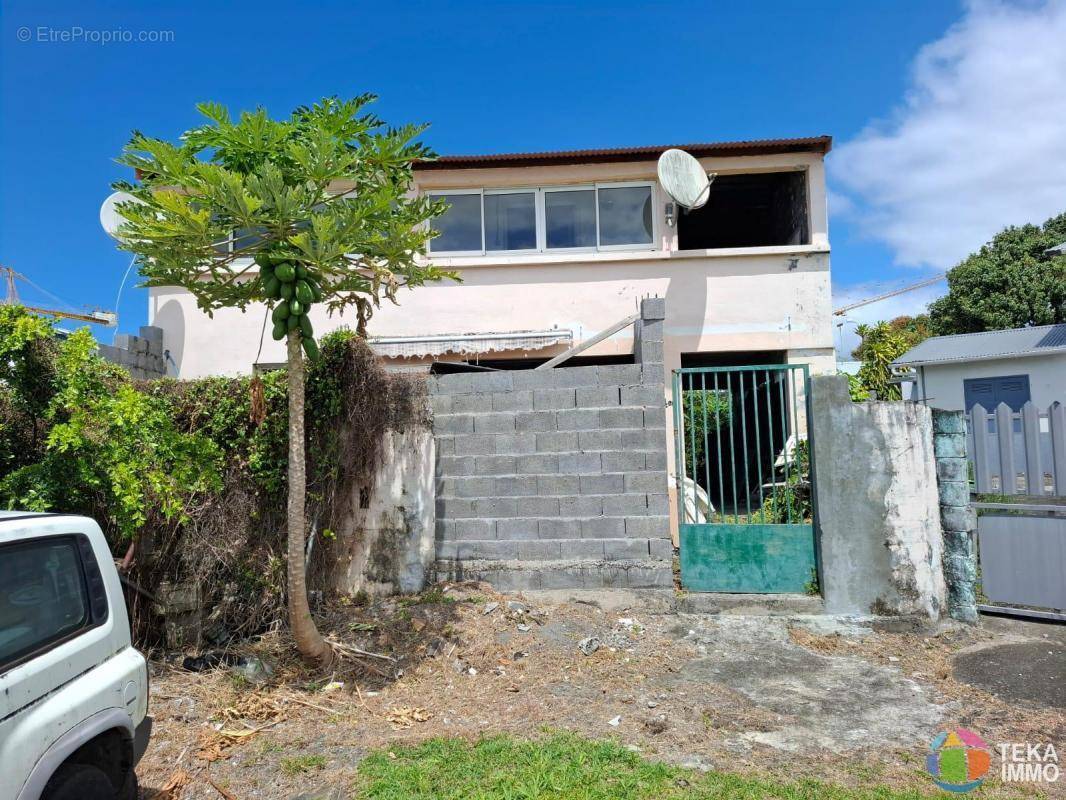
308	640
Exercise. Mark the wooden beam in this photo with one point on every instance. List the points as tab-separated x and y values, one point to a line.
585	345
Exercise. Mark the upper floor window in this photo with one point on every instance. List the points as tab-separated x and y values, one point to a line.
596	217
759	209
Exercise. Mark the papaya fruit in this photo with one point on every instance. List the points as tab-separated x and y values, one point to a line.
316	291
311	348
287	290
284	272
296	307
272	287
264	260
304	293
280	329
280	313
292	323
301	271
306	330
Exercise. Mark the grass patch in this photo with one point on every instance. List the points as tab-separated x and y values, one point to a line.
300	765
566	767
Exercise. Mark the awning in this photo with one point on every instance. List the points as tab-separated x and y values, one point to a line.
467	343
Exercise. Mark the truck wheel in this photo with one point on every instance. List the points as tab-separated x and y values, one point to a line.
79	782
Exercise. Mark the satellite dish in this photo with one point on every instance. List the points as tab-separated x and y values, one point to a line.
684	179
110	219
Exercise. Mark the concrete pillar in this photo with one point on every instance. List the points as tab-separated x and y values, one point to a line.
956	514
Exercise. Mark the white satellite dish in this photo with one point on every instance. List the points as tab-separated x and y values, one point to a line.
110	219
684	179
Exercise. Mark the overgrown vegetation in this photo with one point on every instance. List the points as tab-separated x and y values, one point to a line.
564	767
194	473
790	502
881	344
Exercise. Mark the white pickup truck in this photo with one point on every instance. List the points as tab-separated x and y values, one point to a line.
73	690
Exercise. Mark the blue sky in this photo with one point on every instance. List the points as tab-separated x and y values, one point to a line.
488	76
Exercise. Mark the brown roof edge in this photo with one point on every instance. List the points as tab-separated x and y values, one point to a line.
756	147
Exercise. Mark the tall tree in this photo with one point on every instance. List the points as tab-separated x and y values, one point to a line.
882	343
313	209
1009	283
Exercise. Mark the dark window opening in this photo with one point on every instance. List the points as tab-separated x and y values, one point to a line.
755	210
487	364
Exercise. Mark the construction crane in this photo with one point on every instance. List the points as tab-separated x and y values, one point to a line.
927	282
107	318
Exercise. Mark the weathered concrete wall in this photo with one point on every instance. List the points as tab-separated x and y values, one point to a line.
556	478
878	506
956	515
386	544
142	356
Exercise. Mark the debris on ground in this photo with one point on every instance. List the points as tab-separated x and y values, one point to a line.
589	645
406	716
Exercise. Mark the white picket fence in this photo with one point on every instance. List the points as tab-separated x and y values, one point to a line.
1014	453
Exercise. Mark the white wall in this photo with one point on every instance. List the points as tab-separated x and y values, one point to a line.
1047	379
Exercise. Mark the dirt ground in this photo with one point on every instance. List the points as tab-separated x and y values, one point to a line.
848	701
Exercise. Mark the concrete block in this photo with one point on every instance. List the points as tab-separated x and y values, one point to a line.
648	527
475	445
954	493
535	421
470	403
581	506
517	528
650	439
498	550
655	460
655	417
622	549
456	465
444	528
621	418
599	440
516	486
445	446
623	461
949	445
560	578
647	482
447	549
473	529
490	381
573	377
952	469
553	399
473	487
618	374
652	330
653	374
949	421
538	507
653	308
513	401
494	423
957	518
597	397
661	548
539	550
495	465
586	549
624	505
438	403
651	352
642	396
602	484
579	463
454	507
493	507
559	484
659	503
556	441
537	464
516	444
649	577
606	576
559	528
533	379
578	419
603	528
151	334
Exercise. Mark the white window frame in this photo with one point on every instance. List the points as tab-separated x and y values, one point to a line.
537	220
458	253
540	219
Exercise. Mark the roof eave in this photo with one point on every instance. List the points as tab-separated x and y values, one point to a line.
1048	351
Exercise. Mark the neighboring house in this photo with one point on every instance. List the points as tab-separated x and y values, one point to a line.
556	247
1012	366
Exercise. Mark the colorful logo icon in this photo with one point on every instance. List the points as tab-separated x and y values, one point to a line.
958	760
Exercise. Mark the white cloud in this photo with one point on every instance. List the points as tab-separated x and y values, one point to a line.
978	143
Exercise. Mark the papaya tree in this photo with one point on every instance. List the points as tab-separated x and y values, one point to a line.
283	215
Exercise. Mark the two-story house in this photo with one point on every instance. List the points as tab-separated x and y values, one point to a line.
555	247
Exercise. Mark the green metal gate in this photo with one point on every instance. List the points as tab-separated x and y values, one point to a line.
746	498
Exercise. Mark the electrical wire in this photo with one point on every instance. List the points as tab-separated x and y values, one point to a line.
118	297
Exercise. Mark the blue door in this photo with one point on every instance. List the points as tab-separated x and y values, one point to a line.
990	392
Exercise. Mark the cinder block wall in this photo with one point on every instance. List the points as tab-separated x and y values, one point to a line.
556	478
142	355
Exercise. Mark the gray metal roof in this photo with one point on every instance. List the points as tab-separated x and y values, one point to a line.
1013	343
